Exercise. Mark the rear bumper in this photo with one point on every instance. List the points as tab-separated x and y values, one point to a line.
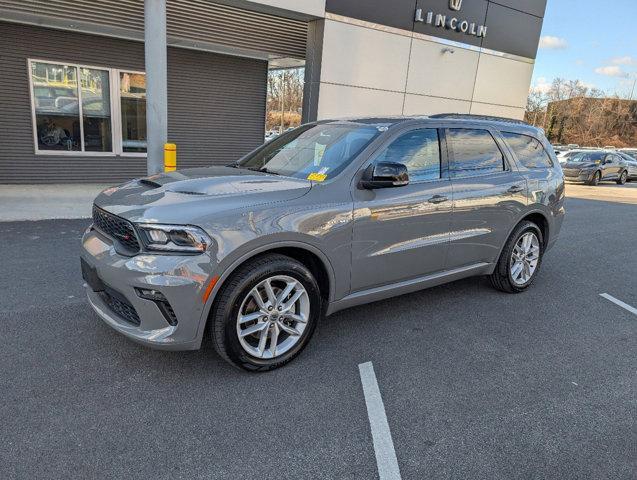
181	279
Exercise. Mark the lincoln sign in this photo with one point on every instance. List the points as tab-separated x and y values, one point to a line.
450	22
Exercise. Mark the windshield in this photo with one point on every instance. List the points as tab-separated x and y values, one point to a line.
313	152
585	157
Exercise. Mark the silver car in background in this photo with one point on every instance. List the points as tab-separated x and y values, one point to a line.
328	216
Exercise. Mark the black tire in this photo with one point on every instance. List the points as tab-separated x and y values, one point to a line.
622	178
596	179
224	312
501	277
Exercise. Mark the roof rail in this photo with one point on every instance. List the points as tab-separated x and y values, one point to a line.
460	116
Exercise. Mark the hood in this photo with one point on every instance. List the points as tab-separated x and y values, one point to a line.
580	165
185	196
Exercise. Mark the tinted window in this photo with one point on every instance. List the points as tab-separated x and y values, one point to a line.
419	151
529	151
473	152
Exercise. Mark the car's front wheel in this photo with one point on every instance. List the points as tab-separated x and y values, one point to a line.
597	177
520	259
266	313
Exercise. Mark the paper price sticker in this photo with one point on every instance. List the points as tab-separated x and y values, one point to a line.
317	177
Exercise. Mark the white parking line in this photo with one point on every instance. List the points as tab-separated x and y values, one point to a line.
619	302
381	436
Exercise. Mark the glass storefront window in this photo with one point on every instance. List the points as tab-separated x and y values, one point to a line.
76	108
57	113
96	110
132	91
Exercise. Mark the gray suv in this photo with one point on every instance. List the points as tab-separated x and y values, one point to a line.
330	215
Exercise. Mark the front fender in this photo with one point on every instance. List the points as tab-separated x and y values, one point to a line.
250	250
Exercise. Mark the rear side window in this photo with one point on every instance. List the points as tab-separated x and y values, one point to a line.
473	152
529	151
419	151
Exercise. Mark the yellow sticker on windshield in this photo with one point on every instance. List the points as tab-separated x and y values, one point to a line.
317	177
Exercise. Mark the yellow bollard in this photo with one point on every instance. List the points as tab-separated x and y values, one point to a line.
170	157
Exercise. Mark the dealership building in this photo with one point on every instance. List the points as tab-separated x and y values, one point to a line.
90	91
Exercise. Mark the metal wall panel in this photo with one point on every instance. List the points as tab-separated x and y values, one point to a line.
527	28
534	7
394	13
188	21
216	105
513	25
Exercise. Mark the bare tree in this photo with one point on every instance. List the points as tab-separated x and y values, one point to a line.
285	98
571	112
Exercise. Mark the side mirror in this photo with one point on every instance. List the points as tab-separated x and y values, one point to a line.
385	175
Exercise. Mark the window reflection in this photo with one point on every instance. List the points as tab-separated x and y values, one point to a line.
529	151
419	151
56	106
133	105
96	110
473	152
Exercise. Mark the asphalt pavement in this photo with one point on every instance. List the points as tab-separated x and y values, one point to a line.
475	383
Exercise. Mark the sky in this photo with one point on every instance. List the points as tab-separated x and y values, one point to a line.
594	41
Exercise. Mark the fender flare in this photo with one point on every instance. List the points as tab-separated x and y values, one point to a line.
522	217
253	253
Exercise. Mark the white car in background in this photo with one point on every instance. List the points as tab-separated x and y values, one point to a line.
271	134
563	157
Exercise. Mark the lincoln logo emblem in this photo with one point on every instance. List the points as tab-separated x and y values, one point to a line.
455	5
449	22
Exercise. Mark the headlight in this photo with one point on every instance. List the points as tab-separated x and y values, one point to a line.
174	238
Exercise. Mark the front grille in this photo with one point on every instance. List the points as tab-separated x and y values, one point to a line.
120	306
117	228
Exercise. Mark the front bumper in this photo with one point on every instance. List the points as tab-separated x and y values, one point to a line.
181	279
579	177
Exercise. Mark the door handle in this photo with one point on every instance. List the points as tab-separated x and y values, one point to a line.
438	199
515	189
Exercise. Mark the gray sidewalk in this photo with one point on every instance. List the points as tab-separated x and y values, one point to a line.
40	202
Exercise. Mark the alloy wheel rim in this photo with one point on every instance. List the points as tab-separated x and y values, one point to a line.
525	258
273	316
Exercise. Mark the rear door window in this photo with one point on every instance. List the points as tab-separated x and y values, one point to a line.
529	150
473	152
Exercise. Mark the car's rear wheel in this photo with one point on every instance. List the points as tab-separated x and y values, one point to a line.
266	313
596	178
520	259
622	178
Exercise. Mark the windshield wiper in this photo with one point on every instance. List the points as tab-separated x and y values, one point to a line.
261	169
265	170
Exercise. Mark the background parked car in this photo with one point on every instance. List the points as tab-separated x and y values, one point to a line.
631	165
271	134
632	152
595	166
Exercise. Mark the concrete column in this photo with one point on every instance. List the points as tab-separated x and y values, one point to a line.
313	58
156	83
